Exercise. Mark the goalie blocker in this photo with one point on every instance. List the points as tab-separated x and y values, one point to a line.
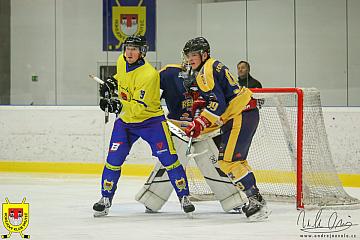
157	189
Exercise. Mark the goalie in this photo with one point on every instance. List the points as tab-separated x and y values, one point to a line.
179	90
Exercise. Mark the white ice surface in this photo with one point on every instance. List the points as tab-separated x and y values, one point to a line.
61	208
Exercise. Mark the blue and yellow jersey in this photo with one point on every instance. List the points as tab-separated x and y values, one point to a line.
178	101
222	92
138	87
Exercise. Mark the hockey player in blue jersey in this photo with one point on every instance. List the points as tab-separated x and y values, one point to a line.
232	108
139	116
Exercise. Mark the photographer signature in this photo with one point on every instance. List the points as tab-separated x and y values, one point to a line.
323	225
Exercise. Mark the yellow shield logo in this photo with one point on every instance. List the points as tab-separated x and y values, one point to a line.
15	217
180	184
128	21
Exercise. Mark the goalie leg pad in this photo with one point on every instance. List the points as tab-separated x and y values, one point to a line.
232	202
157	189
229	196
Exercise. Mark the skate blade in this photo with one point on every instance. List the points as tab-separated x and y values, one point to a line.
101	214
148	210
262	215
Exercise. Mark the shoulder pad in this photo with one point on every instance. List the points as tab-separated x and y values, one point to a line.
205	78
171	66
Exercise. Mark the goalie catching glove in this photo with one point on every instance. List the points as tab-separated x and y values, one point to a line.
113	105
108	88
196	126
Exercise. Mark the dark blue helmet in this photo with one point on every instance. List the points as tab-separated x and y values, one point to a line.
137	41
198	44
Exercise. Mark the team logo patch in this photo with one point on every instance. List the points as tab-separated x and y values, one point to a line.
107	185
159	145
123	96
115	146
15	217
180	184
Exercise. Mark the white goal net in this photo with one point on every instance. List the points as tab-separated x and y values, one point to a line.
290	153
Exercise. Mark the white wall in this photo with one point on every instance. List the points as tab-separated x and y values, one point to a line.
271	42
354	52
78	134
309	43
176	23
225	34
32	52
321	48
78	50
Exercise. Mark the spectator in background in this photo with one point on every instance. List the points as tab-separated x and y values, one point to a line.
245	79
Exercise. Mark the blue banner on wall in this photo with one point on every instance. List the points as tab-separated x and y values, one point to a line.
123	18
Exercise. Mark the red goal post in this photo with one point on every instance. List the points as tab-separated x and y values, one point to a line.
300	116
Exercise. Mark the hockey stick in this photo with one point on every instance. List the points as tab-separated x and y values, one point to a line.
188	150
95	78
92	76
181	135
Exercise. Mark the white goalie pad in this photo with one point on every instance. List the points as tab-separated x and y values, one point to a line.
229	196
157	189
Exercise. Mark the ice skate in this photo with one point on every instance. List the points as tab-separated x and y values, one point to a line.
149	210
187	206
101	208
256	209
240	209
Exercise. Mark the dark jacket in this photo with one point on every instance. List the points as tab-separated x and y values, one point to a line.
250	82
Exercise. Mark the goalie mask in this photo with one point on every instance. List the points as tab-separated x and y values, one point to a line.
189	80
137	41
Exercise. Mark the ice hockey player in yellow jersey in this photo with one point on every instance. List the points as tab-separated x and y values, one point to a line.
139	116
